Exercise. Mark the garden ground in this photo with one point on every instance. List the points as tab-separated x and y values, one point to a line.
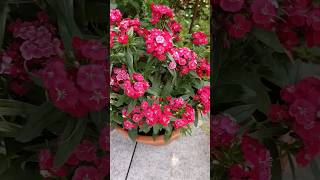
187	158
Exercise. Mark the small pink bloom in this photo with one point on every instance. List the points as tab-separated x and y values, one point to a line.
123	38
91	77
199	38
86	151
128	125
86	173
231	5
115	16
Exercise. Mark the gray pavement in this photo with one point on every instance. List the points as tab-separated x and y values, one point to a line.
186	158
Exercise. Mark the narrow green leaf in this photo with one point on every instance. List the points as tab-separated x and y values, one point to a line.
315	169
269	132
131	106
196	118
42	118
72	136
4	9
242	112
269	38
168	133
133	134
276	169
4	163
130	61
292	166
157	128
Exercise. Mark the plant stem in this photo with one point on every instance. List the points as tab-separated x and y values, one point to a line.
195	12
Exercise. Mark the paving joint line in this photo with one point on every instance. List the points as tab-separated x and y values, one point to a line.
134	150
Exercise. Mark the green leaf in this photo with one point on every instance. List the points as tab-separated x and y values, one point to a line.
121	100
144	128
292	166
269	38
65	16
10	107
167	89
226	93
71	137
242	112
4	163
269	132
133	133
315	169
299	70
157	128
42	118
99	118
130	61
131	105
4	9
168	133
196	118
276	169
9	129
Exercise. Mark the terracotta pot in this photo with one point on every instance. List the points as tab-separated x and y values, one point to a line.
158	141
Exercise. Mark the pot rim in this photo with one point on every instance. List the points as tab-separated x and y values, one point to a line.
157	141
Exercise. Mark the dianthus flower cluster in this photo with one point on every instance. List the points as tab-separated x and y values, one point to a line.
33	42
86	161
36	49
300	112
185	58
255	163
203	96
300	17
159	113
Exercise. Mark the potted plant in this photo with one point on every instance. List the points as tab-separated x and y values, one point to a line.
159	83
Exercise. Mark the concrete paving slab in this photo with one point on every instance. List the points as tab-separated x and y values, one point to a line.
121	151
187	158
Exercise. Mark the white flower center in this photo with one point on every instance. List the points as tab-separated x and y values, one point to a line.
160	39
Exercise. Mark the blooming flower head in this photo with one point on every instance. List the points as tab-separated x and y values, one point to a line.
64	94
160	11
86	172
91	77
115	16
86	151
158	43
231	5
223	132
263	12
203	68
240	27
203	95
199	38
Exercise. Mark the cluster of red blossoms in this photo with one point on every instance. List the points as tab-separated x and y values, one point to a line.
120	79
203	96
159	113
86	162
288	19
77	88
256	163
185	58
300	112
34	42
159	42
